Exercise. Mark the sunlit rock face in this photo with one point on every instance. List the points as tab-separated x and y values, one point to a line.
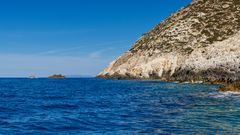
200	42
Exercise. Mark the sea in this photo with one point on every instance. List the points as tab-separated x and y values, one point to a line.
89	106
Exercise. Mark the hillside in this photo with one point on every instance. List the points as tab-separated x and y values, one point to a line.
200	42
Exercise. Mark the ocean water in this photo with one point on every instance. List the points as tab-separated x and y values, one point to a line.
98	106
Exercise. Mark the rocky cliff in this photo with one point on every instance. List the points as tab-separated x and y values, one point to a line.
200	42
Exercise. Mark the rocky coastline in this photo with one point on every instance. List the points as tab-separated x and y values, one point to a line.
198	43
235	87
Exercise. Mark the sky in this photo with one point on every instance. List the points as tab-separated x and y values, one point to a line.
73	37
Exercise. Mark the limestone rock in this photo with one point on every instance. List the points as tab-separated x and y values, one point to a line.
200	42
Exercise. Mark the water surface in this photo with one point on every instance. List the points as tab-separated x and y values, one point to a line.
96	106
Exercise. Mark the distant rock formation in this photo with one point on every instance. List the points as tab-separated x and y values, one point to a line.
57	76
200	42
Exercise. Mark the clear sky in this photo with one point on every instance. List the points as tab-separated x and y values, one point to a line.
73	37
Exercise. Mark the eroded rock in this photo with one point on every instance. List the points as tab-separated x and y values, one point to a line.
200	42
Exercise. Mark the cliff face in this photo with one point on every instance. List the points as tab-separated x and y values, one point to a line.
200	42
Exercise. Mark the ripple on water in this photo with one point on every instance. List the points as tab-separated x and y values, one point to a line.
96	106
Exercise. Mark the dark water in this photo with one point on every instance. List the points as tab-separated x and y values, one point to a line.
91	106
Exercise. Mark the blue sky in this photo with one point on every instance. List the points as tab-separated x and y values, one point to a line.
73	37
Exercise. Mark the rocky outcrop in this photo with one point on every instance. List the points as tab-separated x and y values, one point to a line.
235	87
200	42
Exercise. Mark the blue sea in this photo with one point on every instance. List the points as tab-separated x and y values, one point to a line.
98	106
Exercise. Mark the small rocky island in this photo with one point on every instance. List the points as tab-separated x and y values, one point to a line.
198	43
57	76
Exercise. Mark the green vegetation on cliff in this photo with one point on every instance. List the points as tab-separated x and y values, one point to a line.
198	43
